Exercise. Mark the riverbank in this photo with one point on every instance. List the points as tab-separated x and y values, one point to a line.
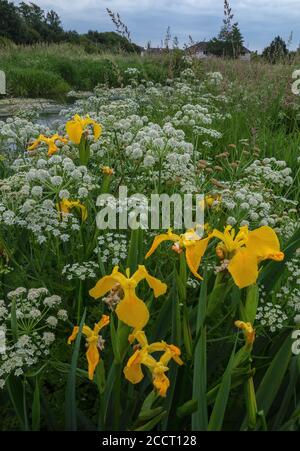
12	106
51	71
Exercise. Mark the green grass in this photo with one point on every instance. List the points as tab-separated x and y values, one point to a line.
52	70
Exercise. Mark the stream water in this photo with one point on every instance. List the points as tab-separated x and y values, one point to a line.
48	112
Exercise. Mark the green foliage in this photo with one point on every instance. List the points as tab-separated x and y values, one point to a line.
28	23
36	83
52	71
277	51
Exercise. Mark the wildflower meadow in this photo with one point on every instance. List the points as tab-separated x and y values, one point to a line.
111	320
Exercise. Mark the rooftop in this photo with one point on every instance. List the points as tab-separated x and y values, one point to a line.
202	46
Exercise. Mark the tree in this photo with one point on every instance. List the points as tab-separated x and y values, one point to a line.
216	47
229	42
34	18
55	32
71	36
111	41
32	14
11	26
40	27
237	41
28	23
53	21
227	22
276	51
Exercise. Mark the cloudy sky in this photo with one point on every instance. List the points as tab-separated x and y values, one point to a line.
259	20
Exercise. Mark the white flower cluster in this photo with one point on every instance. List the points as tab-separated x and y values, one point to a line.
112	248
16	132
37	315
81	271
249	201
214	78
289	294
193	115
153	142
128	126
124	114
271	171
30	196
40	218
192	283
57	176
200	117
188	75
271	316
132	71
179	169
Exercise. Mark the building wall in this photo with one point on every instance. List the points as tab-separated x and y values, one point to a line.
200	55
246	57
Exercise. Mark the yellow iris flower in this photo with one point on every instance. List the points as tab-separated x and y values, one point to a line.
142	356
51	142
245	250
248	331
76	127
190	242
65	206
92	339
131	310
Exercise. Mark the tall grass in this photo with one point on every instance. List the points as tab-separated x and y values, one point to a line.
52	70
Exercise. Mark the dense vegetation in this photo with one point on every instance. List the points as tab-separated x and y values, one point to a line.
227	129
50	71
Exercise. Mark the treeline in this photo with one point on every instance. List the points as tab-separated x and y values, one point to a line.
28	23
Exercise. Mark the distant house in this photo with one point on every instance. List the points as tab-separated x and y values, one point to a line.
200	51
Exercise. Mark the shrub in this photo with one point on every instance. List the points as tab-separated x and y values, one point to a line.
36	83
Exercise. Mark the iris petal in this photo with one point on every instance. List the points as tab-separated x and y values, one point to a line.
93	358
194	254
263	242
244	268
160	239
133	311
74	130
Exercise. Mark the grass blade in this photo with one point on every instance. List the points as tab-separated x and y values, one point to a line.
36	407
70	412
273	378
199	418
218	413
